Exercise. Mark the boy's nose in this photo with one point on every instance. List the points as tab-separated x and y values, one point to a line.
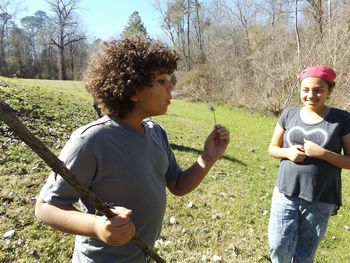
170	86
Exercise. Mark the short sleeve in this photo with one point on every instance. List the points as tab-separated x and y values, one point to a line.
346	124
174	170
282	118
81	161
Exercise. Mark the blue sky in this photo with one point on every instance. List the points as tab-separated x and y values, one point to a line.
106	18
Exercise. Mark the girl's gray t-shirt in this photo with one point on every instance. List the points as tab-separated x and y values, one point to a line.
122	167
313	179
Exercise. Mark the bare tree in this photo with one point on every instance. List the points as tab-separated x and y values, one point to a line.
4	18
33	25
66	29
297	35
18	55
188	36
8	9
275	9
166	22
317	12
330	17
242	10
198	25
176	24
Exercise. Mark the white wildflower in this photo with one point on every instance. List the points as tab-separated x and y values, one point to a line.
9	233
216	258
172	220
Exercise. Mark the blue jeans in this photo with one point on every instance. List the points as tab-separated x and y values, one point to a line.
296	228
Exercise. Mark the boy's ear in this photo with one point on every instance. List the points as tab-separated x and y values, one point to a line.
134	98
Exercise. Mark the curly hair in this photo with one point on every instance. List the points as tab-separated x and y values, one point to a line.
125	66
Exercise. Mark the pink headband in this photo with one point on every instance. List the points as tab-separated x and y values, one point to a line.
322	72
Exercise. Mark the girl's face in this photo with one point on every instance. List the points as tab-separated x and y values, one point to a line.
314	93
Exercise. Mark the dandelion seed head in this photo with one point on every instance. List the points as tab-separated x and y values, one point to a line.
211	107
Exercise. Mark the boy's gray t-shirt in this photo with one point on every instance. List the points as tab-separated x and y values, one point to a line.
313	179
122	167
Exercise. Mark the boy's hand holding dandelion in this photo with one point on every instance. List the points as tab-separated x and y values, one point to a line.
214	147
217	141
215	144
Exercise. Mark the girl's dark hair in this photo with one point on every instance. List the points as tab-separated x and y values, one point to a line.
122	67
330	84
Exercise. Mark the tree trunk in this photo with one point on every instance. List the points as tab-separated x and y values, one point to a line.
202	57
330	18
317	13
71	62
62	65
297	29
62	60
188	37
2	49
247	38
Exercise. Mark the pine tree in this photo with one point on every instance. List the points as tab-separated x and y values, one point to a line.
134	26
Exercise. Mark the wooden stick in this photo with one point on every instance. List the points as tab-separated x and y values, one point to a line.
7	114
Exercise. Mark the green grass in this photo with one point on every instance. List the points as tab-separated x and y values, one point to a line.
229	212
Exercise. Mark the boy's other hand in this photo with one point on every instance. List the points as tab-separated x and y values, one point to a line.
115	231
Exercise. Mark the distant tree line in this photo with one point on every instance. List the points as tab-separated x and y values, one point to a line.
250	52
245	52
49	46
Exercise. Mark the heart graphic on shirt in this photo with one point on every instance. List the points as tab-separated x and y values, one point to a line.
296	136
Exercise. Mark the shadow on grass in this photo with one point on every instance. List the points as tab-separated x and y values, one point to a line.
193	150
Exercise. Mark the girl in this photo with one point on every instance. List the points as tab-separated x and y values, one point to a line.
309	141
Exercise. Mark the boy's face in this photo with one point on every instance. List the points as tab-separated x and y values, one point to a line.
154	100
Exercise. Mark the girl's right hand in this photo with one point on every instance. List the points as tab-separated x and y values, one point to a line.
115	231
296	153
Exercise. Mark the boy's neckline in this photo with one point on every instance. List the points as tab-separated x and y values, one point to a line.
140	130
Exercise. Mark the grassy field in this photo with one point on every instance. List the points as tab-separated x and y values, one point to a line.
224	220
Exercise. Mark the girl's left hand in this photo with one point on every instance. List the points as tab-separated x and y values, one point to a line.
312	149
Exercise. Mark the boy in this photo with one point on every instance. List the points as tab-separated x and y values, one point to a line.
123	159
